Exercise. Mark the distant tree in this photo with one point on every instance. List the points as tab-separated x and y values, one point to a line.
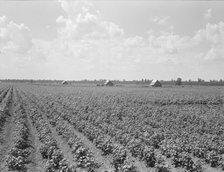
200	80
178	81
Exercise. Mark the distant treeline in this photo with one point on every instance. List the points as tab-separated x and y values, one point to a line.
137	82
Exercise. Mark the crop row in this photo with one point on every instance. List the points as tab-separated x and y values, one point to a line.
188	127
141	146
82	154
49	148
3	93
190	101
119	154
4	111
20	150
111	140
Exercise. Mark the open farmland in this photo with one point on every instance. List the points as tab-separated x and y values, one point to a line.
123	129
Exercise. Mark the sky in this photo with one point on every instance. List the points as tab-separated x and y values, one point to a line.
103	39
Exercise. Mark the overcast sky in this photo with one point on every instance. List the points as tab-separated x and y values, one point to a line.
113	40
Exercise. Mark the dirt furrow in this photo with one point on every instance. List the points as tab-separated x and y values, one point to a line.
62	144
104	162
37	163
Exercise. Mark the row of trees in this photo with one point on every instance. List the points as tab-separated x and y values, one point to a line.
199	82
178	81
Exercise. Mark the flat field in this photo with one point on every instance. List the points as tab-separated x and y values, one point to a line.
124	129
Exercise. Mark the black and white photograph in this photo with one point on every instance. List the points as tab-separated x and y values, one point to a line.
111	85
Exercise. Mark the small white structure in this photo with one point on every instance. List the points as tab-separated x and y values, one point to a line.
108	83
156	83
64	82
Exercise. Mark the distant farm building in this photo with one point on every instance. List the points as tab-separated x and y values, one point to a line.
64	82
108	83
156	83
